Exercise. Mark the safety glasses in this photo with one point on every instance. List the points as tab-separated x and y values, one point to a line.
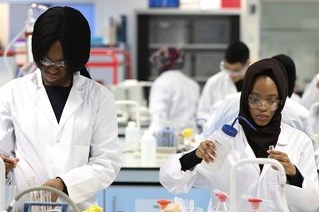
47	63
270	104
240	72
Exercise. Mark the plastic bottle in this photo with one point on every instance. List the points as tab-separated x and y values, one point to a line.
221	202
187	134
132	136
223	141
148	149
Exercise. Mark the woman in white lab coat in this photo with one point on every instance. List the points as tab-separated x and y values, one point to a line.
262	100
174	96
293	113
62	124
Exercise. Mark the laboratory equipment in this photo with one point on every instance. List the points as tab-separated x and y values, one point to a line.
32	13
221	201
162	203
223	140
281	180
28	205
187	134
132	136
133	90
254	203
148	149
166	137
122	113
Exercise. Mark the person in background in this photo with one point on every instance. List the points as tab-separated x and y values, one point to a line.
62	124
263	97
311	93
290	67
173	96
227	81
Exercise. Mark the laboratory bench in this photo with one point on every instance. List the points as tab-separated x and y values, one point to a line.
137	187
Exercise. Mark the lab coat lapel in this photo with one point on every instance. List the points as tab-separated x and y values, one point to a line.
73	102
42	101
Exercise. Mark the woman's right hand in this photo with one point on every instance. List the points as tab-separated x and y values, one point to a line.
9	162
206	151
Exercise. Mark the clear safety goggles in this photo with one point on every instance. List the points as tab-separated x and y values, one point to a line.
47	63
270	104
239	73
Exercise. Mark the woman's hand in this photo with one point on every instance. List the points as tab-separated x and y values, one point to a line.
283	158
56	183
9	162
206	151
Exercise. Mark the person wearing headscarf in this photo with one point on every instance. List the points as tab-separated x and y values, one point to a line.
293	113
173	96
264	93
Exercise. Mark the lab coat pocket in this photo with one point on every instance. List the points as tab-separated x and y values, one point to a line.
81	155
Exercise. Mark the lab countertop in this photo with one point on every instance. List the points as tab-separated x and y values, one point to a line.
135	172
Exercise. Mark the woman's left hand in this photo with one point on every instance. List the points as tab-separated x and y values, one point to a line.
283	158
56	183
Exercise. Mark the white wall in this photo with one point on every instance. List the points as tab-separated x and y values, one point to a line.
109	8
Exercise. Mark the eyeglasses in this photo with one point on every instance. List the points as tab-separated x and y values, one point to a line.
270	104
47	62
240	72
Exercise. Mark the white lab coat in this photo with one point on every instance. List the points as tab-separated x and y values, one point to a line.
313	121
173	101
265	185
216	88
311	93
293	114
296	97
82	149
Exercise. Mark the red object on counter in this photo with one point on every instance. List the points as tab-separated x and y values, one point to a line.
163	203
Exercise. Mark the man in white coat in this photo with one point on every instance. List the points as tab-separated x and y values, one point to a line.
61	123
262	100
227	81
174	96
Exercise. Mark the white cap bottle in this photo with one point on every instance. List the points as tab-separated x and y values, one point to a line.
148	149
132	136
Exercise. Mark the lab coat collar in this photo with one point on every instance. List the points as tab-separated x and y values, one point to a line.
73	102
282	140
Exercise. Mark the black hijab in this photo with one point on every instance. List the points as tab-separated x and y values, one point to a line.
265	135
